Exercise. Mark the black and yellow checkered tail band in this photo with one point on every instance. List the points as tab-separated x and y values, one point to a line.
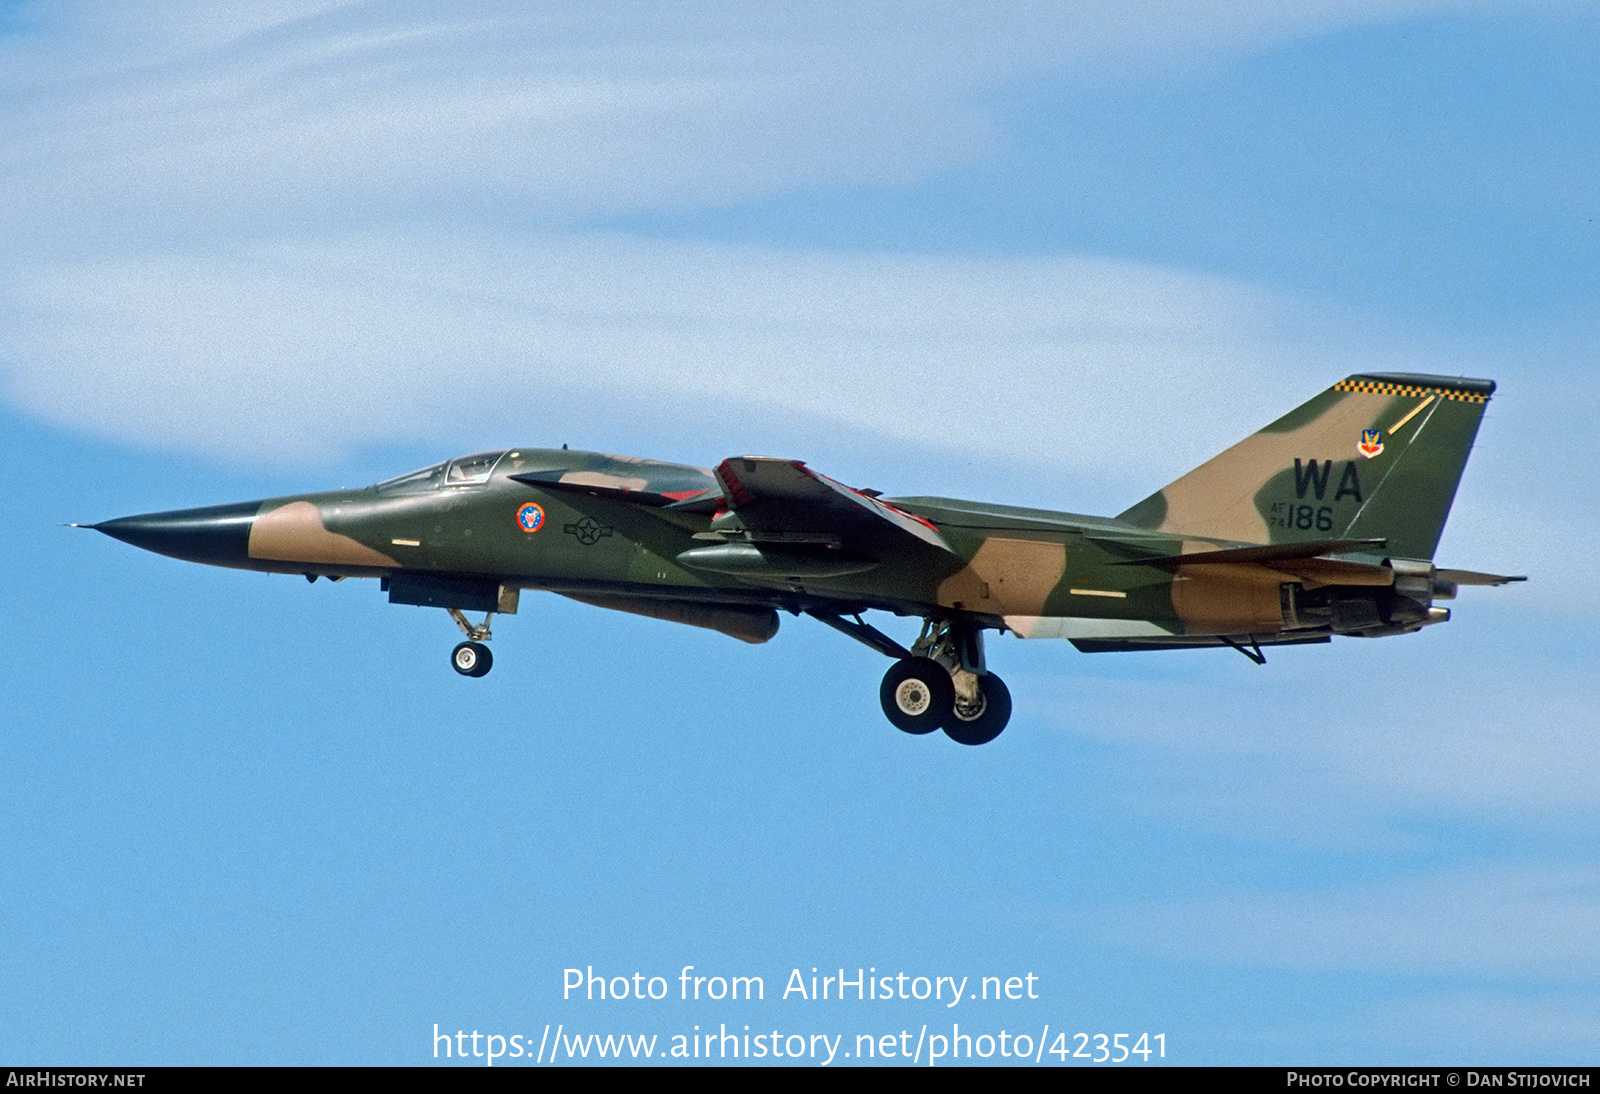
1417	387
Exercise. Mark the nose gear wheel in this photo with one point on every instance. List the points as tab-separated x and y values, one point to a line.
472	659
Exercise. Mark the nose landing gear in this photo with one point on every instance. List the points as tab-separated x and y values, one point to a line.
472	657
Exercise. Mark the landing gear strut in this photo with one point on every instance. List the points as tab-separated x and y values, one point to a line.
981	722
944	685
472	657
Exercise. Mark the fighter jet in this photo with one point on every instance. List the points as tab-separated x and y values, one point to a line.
1324	523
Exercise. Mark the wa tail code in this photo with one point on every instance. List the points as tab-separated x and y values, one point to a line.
1314	475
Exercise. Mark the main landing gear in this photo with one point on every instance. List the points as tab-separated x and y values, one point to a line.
472	657
939	683
979	720
944	685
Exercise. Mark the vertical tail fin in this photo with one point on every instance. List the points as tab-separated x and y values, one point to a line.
1374	457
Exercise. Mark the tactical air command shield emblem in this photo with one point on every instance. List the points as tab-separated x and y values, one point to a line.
1371	443
530	518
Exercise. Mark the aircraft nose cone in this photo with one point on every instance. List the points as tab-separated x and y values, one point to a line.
217	534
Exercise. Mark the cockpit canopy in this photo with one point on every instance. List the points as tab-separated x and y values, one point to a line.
647	482
461	471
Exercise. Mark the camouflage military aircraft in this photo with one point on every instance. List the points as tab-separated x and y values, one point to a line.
1323	523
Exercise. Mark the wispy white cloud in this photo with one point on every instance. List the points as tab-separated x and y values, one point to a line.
161	121
1355	745
301	351
280	232
294	350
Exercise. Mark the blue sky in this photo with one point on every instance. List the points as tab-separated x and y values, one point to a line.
1002	252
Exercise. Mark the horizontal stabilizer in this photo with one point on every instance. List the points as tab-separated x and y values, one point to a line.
1198	642
1272	552
1472	577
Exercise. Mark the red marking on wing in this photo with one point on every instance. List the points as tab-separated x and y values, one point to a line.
909	516
735	488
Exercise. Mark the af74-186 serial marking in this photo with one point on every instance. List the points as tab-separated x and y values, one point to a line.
1324	523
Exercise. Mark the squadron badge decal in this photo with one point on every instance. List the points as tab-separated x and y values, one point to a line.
530	518
1371	443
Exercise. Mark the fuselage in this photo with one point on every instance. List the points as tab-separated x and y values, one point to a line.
597	526
1323	523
